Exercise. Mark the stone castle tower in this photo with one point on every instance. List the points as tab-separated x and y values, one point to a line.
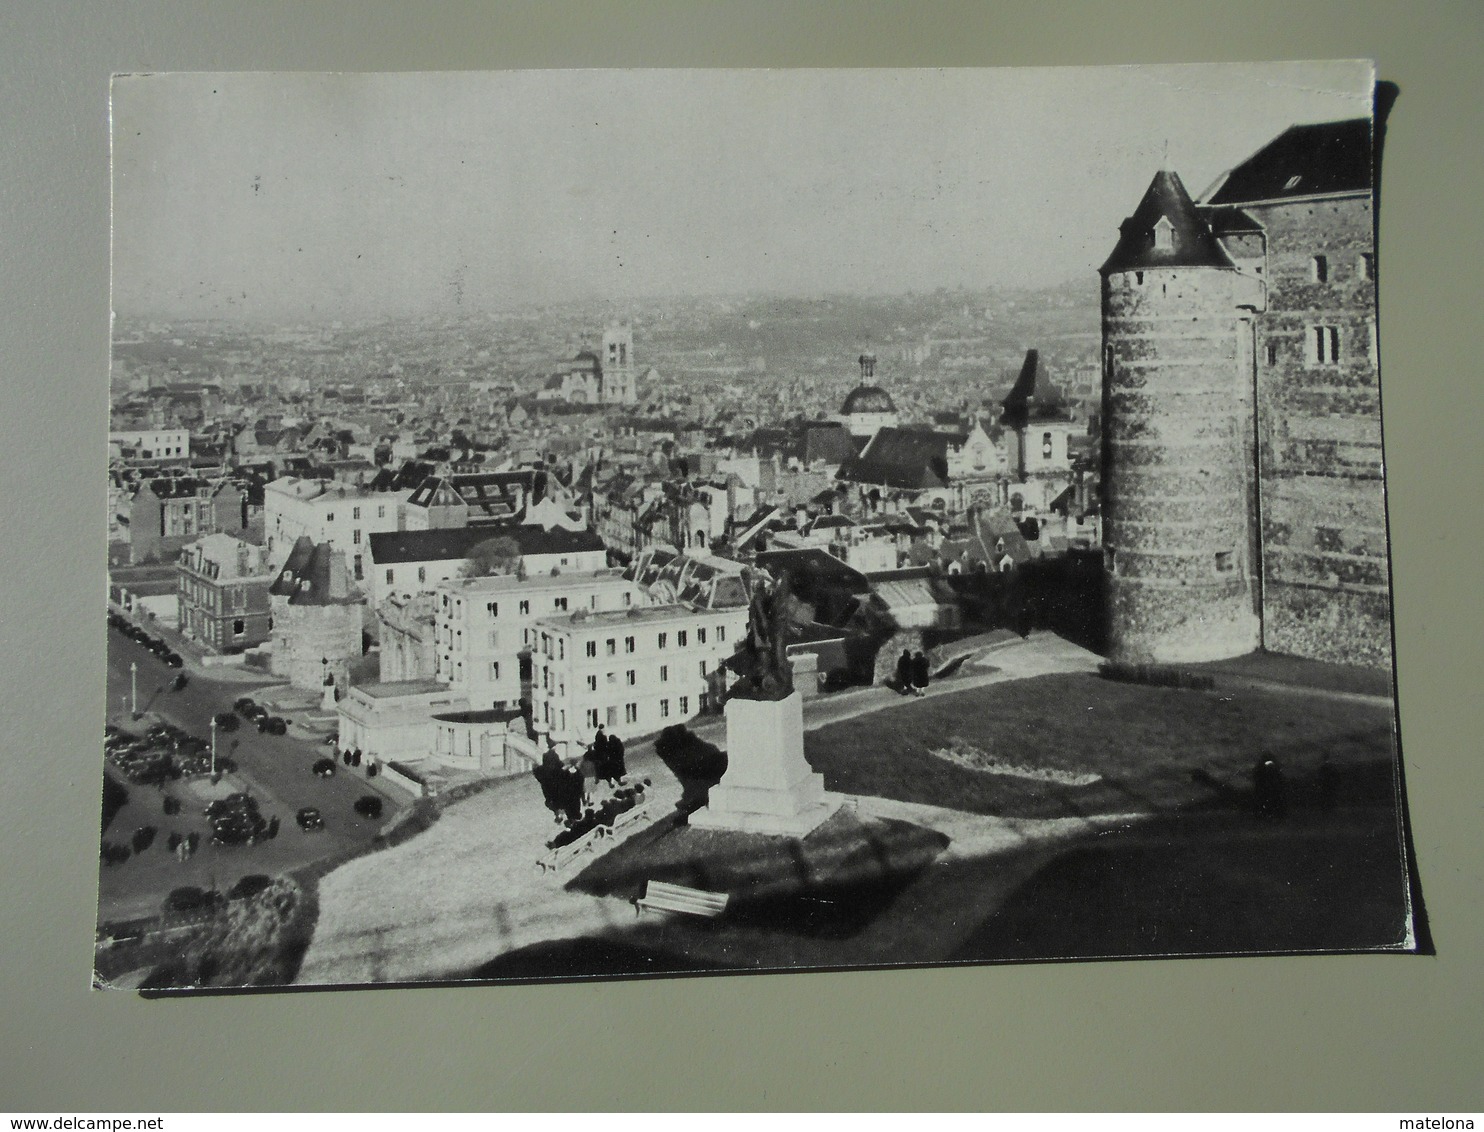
1179	459
617	359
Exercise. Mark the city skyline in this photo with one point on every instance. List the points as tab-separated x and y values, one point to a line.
288	197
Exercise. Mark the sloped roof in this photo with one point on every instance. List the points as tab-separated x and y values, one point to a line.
391	547
324	580
1321	157
1190	241
829	442
901	458
294	565
1033	397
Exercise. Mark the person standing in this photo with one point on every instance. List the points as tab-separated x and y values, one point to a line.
904	672
920	674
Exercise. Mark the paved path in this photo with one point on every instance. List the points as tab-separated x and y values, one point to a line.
468	890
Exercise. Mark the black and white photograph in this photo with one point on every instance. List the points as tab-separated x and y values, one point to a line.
628	523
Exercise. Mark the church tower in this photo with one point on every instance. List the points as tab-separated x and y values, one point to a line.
1179	531
618	365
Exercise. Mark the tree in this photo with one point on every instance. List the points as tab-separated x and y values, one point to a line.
493	556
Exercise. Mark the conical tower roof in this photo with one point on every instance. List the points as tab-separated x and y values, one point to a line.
1189	242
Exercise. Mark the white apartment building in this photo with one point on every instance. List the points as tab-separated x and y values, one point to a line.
484	628
634	671
327	511
154	443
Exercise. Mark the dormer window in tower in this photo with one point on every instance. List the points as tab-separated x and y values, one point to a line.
1164	233
1292	182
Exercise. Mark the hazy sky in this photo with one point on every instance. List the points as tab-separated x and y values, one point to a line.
306	197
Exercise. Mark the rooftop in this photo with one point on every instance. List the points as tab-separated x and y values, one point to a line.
635	615
391	689
505	583
1165	230
1321	157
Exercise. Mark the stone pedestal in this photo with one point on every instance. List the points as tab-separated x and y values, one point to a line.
768	787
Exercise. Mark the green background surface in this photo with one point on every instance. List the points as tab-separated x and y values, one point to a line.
1380	1032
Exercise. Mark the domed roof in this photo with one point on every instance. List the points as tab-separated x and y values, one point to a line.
867	399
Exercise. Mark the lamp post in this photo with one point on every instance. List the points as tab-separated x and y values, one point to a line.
134	688
213	746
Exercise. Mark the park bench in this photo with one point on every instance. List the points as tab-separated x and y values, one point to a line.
631	816
661	897
554	859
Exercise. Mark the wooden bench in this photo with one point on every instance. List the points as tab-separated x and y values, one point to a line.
554	859
631	816
661	897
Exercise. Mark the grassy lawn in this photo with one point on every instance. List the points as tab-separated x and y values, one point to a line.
1153	748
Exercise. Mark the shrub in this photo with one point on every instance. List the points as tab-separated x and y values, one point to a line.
368	806
172	806
1155	675
143	838
114	854
688	756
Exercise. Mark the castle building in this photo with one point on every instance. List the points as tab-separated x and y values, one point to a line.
316	616
1243	498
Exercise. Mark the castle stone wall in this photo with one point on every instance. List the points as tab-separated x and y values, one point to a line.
1177	468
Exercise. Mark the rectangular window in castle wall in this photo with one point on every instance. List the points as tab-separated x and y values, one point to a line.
1270	350
1323	343
1319	269
1367	266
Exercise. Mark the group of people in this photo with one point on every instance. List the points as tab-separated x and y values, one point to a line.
913	672
564	785
622	799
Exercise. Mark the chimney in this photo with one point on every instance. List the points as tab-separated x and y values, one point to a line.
339	579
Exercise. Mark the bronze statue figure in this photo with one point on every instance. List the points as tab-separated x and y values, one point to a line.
761	661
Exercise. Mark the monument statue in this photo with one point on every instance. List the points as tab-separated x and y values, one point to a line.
761	662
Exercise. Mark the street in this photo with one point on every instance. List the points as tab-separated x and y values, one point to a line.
275	769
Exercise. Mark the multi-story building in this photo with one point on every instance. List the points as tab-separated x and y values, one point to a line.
159	445
412	562
633	671
223	593
484	631
330	512
166	514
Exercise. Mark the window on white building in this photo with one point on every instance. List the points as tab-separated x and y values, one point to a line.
592	718
703	668
525	607
680	639
628	644
355	513
494	670
685	705
390	575
329	516
559	603
381	511
628	598
664	639
592	648
422	576
592	683
631	713
611	646
664	673
493	609
700	636
664	709
721	634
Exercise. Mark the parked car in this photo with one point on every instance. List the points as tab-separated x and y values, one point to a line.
180	682
309	819
325	768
